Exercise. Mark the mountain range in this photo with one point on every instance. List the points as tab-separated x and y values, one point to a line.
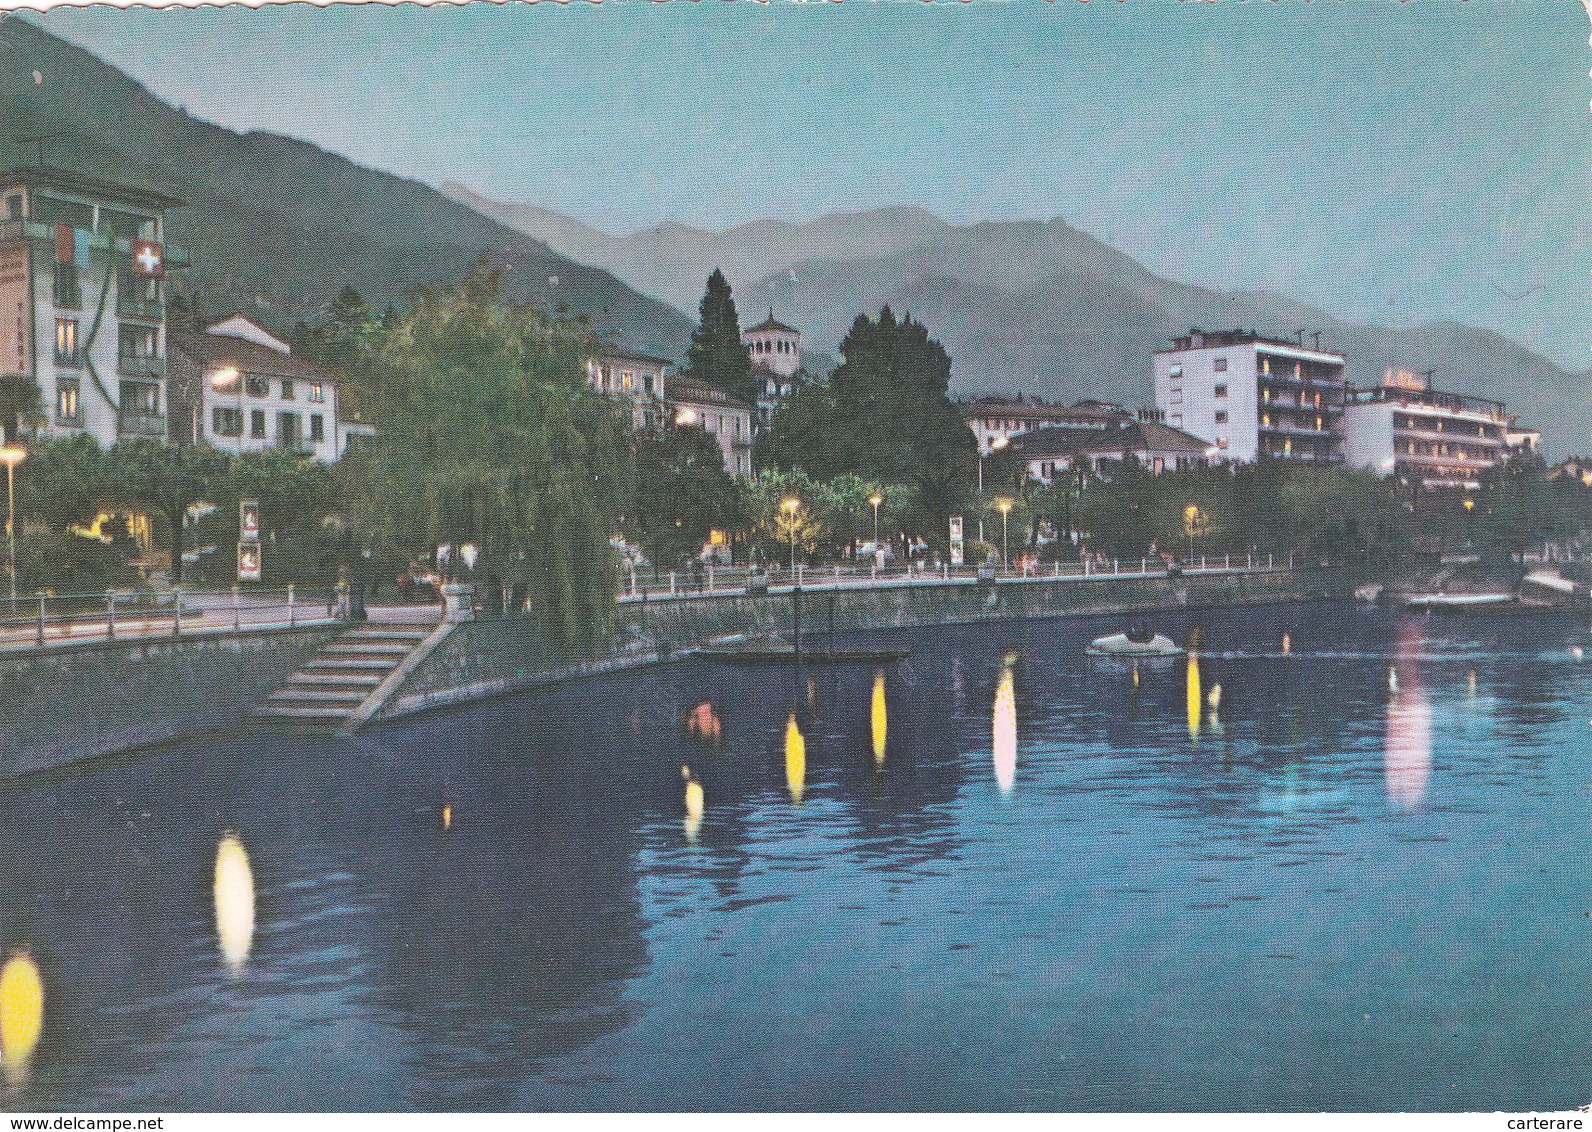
278	226
1039	307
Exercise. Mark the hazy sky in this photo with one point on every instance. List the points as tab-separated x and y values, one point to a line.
1392	162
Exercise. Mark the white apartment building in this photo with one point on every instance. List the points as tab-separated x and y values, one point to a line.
636	379
1405	428
1251	396
694	403
83	265
238	387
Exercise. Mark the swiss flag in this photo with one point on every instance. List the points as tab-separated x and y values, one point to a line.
149	258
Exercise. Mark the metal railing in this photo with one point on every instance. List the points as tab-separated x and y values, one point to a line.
46	619
738	580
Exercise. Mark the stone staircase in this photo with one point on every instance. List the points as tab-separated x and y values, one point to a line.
322	697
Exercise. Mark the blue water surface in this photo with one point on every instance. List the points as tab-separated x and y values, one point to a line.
1360	880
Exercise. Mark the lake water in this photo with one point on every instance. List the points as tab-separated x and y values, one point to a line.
993	875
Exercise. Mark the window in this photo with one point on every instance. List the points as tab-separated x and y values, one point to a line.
14	207
137	342
627	380
257	424
1177	397
1265	395
66	342
1265	420
66	406
1177	370
256	386
1221	391
287	389
287	429
1220	365
140	397
1177	420
1221	417
317	392
68	292
317	427
226	422
1221	442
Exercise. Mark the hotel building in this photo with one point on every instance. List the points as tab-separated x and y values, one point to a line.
694	403
1251	396
238	387
635	379
83	266
1404	427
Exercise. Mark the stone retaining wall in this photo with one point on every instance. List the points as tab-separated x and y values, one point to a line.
62	705
486	658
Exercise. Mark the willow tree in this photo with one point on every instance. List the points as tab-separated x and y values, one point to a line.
487	434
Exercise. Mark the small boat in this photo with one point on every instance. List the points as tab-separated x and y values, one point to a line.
1457	601
1136	642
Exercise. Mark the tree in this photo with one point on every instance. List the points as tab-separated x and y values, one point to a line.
717	355
1517	506
164	478
486	433
885	416
63	481
682	493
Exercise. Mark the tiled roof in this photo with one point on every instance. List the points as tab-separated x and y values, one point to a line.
688	390
250	357
1130	436
771	323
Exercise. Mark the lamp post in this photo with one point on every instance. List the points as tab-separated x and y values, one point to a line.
1006	509
1191	518
11	455
790	506
876	499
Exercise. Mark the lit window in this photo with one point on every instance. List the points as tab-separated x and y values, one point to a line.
317	392
1221	442
66	342
66	406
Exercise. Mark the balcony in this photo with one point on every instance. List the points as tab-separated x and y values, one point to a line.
141	424
141	368
150	310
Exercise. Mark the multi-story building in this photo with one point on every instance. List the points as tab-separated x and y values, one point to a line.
83	266
633	378
239	388
1252	396
694	403
776	351
995	421
1404	427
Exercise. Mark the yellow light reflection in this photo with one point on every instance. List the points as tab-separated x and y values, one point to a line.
1003	743
702	723
795	759
21	1015
234	893
695	804
1287	644
1195	699
879	714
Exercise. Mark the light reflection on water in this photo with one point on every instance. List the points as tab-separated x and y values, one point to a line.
1341	896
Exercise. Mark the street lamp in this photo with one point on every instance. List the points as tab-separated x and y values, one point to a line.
1006	509
11	455
1191	518
995	445
876	499
790	506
